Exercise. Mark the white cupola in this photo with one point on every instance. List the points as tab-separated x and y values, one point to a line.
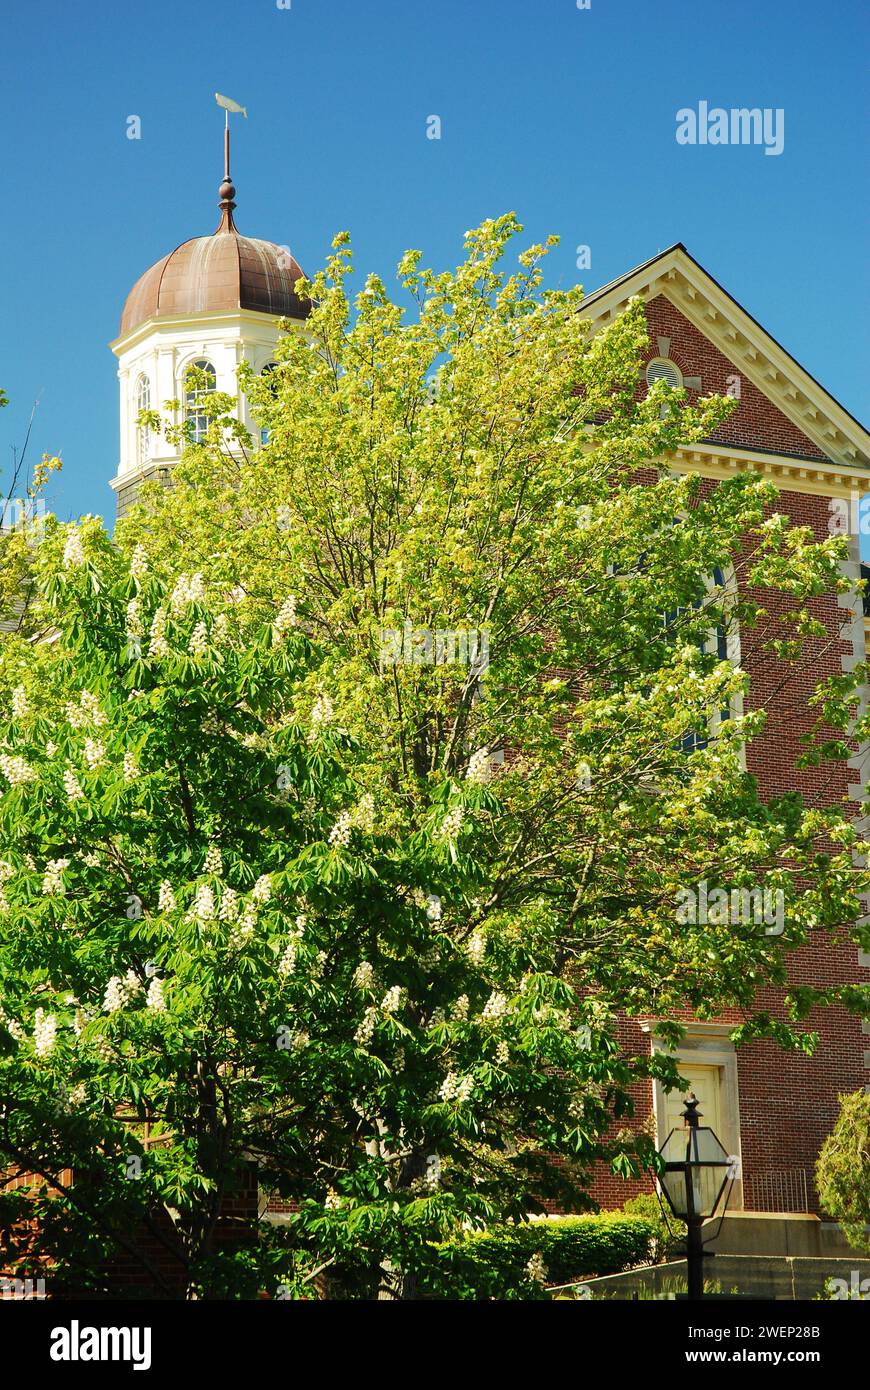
214	302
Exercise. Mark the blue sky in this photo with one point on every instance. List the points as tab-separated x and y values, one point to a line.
566	116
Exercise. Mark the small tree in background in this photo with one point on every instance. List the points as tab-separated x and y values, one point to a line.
21	519
843	1170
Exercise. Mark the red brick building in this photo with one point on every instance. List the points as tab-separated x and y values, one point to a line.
217	300
770	1107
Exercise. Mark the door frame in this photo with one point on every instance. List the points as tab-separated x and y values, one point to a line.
705	1045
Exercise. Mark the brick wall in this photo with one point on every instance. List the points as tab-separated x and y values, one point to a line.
757	423
788	1101
156	1268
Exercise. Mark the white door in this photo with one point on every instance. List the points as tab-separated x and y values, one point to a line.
706	1084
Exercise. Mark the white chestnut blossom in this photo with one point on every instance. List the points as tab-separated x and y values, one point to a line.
12	1026
198	644
262	889
135	625
166	897
364	814
158	645
16	770
44	1033
131	767
19	703
213	863
72	786
87	712
115	996
139	563
476	946
155	999
51	879
340	832
392	1000
243	929
456	1087
229	908
495	1007
285	620
203	904
322	712
287	963
459	1011
365	1031
188	589
242	932
479	771
73	551
451	824
95	753
364	975
536	1269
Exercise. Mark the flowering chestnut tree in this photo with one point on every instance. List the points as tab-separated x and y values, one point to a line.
339	853
210	927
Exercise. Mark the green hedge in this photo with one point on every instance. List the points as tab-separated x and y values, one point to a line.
492	1264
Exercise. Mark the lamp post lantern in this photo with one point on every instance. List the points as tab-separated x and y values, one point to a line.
696	1171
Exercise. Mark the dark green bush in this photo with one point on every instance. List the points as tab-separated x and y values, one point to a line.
493	1264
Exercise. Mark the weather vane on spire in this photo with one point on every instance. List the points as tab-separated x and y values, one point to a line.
227	191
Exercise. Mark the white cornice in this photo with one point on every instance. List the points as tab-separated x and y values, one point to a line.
745	343
138	475
816	476
161	324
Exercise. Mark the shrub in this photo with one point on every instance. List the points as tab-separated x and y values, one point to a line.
495	1263
843	1169
668	1241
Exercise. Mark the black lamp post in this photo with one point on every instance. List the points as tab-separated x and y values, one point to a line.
696	1172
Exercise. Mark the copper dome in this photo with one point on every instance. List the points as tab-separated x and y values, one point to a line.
212	274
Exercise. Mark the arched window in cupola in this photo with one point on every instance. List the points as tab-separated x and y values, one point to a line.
143	433
194	398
